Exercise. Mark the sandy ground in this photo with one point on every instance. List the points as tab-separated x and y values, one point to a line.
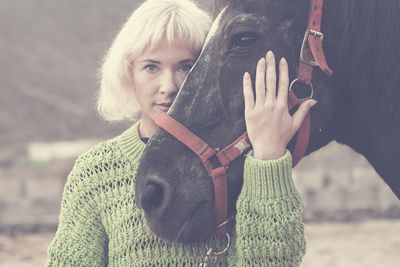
364	244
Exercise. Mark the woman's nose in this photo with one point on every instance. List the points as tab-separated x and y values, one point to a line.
169	84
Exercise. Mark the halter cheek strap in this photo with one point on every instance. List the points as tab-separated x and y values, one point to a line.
303	134
312	53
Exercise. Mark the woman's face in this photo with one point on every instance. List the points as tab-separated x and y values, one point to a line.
157	76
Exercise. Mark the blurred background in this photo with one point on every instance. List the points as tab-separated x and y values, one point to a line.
50	52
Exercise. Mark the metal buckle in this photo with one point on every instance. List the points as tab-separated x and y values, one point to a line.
316	34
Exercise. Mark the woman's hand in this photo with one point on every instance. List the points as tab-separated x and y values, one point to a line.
269	124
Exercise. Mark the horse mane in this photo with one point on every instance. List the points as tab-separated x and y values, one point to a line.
369	47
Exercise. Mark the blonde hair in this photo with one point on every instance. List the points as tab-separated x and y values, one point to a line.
147	25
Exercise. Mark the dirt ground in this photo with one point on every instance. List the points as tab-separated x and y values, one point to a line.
363	244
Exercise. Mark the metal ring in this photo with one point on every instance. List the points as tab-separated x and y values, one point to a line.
310	85
225	249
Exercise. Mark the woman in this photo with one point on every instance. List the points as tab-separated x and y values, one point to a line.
100	225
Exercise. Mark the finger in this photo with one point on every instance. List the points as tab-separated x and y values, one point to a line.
260	82
271	78
248	92
283	87
301	113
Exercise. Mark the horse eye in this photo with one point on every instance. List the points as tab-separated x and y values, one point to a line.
243	43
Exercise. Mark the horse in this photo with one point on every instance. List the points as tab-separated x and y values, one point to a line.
357	106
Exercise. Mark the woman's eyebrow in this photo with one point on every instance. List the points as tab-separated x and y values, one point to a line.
187	60
148	60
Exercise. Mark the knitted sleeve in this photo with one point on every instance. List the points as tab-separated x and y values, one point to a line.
80	239
269	228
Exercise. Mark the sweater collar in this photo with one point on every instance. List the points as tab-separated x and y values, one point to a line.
130	142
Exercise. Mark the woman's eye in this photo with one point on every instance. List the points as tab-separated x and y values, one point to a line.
186	67
151	68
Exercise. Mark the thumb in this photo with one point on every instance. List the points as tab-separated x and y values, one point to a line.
301	113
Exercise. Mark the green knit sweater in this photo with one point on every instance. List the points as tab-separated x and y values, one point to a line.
100	225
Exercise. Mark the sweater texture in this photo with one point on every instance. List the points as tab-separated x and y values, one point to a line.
100	224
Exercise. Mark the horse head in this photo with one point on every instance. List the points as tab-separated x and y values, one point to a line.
173	188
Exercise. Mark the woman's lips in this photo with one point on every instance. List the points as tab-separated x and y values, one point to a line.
164	106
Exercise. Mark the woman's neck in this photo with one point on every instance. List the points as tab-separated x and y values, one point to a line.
147	127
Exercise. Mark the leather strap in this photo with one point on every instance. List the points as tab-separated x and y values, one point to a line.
205	152
186	137
219	178
312	53
303	134
234	150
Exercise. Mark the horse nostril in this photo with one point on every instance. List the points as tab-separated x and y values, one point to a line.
152	196
155	197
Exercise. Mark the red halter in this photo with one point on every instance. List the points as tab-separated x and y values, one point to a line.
311	55
205	153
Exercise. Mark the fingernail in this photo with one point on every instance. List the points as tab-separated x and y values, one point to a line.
261	62
270	54
283	60
246	75
313	102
